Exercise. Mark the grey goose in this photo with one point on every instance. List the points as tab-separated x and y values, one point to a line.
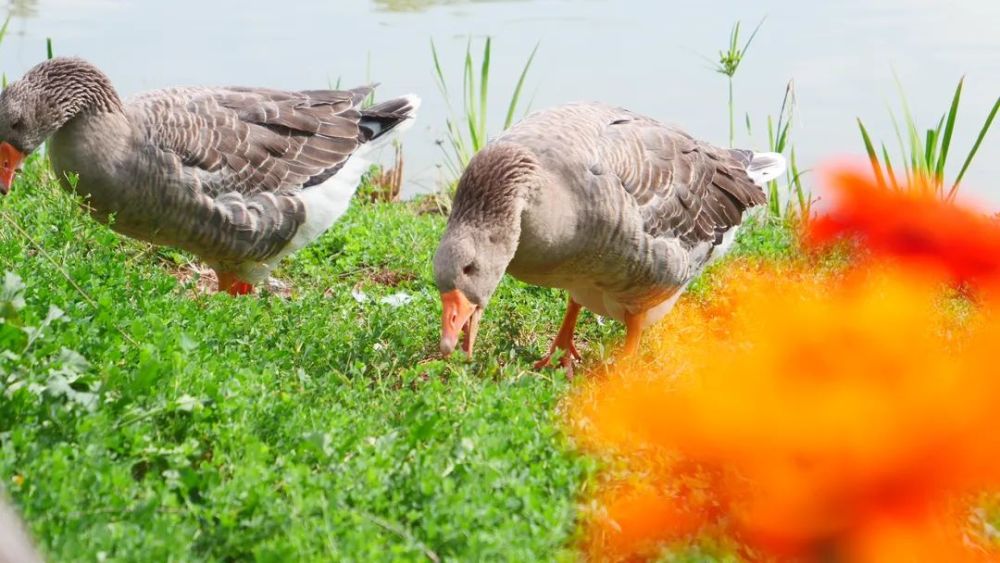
15	542
241	177
618	209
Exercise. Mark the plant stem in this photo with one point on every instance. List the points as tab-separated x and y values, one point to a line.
732	126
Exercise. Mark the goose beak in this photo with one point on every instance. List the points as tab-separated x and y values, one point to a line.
10	164
458	314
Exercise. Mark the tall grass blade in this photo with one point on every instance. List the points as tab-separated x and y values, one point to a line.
902	145
803	198
48	48
467	126
369	100
515	98
753	35
930	146
439	73
975	148
888	168
925	156
949	129
469	93
916	150
729	63
872	155
3	29
484	81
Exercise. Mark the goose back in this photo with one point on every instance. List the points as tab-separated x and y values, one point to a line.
650	204
222	172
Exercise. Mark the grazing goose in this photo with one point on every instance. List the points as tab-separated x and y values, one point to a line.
618	209
241	177
15	545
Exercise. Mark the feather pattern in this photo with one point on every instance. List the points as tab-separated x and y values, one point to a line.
220	172
685	189
624	211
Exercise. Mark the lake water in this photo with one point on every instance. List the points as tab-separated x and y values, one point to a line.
648	55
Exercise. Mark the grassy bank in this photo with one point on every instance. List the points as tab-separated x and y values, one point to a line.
142	419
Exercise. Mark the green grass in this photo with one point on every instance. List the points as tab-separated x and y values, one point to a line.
273	428
728	64
147	421
779	132
468	131
779	140
924	155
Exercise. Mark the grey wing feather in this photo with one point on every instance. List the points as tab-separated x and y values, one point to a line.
245	154
251	140
684	188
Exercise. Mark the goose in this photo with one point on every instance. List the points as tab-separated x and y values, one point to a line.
15	543
617	208
240	177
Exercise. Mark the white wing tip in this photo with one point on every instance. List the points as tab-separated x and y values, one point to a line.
411	103
766	166
414	102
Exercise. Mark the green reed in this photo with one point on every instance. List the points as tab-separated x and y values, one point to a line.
924	154
729	63
467	129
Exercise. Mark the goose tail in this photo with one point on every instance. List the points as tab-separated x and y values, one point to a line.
766	166
395	116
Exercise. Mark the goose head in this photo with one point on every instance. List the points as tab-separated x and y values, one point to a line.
37	105
468	266
27	118
482	238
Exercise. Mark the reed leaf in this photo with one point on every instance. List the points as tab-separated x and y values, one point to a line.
468	129
975	148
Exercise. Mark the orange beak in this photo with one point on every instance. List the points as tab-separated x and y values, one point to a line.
10	164
458	314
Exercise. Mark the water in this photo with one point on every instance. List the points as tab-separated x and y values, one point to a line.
648	55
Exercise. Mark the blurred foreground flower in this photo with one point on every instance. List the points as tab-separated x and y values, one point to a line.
830	419
912	226
812	415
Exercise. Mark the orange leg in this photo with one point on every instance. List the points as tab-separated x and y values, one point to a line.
232	285
633	332
564	340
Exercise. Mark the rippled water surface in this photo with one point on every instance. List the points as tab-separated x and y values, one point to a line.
648	55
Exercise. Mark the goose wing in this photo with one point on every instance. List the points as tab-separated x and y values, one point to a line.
253	140
232	164
685	189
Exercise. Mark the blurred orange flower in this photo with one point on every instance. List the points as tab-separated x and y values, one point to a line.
911	225
841	415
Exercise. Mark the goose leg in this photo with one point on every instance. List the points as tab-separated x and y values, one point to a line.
633	332
564	340
232	285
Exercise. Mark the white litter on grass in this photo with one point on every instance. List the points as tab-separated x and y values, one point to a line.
397	300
